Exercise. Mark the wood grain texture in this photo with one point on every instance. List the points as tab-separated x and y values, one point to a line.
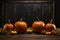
29	37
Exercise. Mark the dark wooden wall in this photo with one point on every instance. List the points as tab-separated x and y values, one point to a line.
0	13
28	11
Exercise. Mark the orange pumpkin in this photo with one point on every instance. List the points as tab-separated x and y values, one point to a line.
21	26
8	26
50	27
38	26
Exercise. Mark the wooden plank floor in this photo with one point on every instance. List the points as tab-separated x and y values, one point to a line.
29	37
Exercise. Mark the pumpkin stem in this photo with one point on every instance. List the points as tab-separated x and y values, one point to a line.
37	18
21	19
8	20
51	20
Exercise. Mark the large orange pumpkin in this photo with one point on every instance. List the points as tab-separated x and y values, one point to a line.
38	26
50	26
21	26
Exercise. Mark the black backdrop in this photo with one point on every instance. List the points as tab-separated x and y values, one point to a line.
0	13
57	14
29	12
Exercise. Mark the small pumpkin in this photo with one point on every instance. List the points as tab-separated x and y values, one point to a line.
21	26
38	26
48	33
13	32
50	26
29	30
8	26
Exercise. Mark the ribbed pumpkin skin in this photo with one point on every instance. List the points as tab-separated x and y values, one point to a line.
50	27
38	26
8	27
21	26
